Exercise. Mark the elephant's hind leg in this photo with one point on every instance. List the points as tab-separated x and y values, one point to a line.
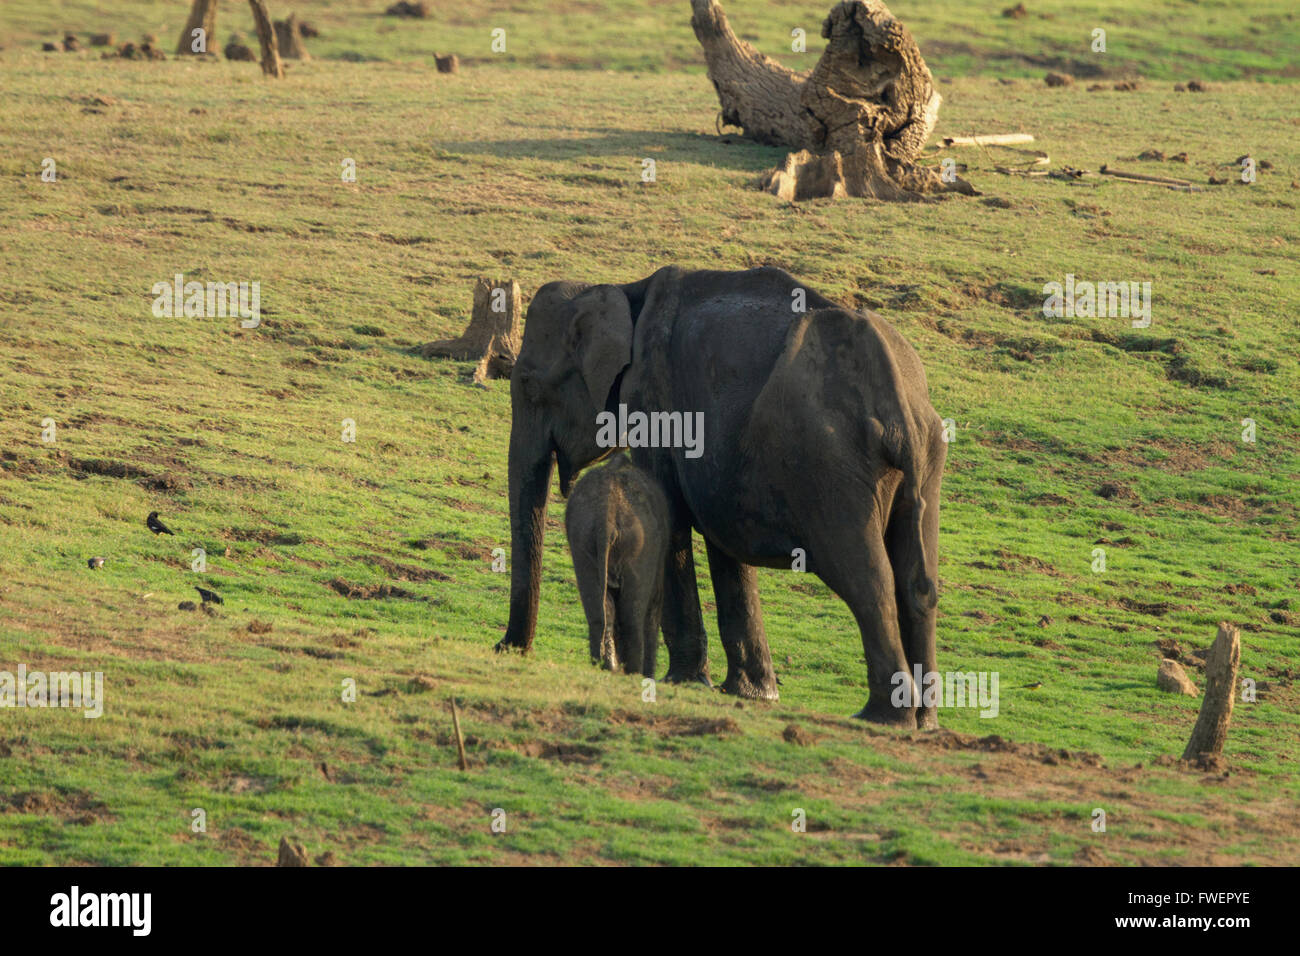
598	605
631	619
650	643
868	589
916	613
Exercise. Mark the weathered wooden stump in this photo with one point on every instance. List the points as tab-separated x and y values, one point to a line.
1205	746
203	15
271	64
288	34
291	854
493	336
858	120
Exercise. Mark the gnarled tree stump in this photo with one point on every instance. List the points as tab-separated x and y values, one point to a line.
858	120
493	336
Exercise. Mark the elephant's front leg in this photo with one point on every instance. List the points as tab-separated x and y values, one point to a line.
683	624
740	624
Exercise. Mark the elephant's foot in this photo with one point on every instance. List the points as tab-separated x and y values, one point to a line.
928	719
506	645
743	685
684	676
903	717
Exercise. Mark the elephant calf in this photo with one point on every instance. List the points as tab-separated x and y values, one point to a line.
617	524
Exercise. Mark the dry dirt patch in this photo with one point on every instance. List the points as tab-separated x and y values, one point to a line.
678	726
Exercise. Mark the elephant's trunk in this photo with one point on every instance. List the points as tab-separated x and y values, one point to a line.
530	463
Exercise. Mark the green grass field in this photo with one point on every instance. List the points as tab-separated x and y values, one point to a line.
528	166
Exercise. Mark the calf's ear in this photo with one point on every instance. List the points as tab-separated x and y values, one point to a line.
600	338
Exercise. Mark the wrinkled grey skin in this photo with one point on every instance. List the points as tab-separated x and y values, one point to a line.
819	435
617	524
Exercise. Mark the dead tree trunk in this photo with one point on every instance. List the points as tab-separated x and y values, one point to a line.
203	16
493	336
858	120
288	34
756	93
271	65
1211	731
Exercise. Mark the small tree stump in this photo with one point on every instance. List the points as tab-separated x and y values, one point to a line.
1211	731
447	64
493	337
271	64
291	854
288	34
203	15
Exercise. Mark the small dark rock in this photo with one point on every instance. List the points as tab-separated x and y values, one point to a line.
418	10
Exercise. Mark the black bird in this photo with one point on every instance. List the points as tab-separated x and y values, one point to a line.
156	526
209	597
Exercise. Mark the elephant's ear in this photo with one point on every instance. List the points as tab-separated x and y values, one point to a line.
600	338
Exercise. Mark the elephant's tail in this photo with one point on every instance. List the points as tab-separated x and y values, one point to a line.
920	584
604	544
923	590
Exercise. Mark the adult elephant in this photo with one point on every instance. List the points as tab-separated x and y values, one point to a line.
819	442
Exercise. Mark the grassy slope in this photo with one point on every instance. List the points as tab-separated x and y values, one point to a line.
1165	39
535	175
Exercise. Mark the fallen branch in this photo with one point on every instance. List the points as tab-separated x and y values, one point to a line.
1167	181
993	139
460	740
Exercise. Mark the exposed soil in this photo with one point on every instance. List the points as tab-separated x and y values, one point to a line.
371	592
678	726
78	809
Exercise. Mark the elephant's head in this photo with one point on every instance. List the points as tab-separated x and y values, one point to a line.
577	341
